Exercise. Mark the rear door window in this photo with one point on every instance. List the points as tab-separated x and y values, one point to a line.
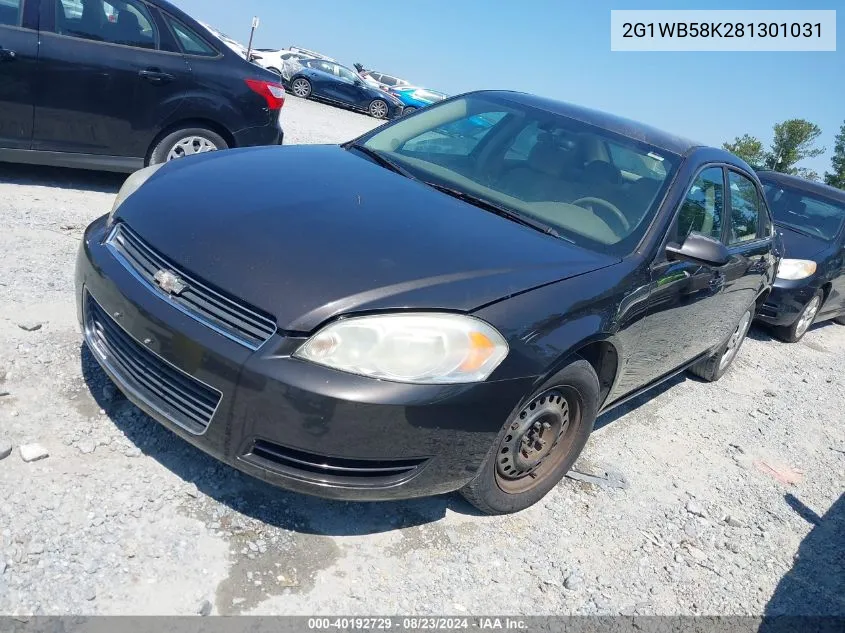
125	22
10	12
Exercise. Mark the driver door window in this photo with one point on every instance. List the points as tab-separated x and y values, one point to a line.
703	208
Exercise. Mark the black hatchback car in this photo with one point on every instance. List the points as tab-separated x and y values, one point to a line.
444	303
122	84
810	284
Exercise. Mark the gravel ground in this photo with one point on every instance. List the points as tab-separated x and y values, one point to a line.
719	498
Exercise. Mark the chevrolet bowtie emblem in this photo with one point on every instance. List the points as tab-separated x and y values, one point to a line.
170	282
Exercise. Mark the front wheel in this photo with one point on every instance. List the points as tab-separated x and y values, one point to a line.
714	367
795	332
186	142
539	443
409	110
378	109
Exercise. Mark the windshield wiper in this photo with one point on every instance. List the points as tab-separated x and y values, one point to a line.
504	212
380	159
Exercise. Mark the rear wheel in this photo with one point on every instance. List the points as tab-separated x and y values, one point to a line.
539	443
186	142
275	70
714	367
378	108
409	110
795	332
301	87
840	320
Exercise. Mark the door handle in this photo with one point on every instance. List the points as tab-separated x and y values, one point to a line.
6	55
154	75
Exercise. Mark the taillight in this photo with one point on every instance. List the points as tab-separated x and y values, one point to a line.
273	93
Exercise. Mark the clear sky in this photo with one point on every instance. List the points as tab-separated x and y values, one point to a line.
561	49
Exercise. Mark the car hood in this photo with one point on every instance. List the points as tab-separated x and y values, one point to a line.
309	232
799	246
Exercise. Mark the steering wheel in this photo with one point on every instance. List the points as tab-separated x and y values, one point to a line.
603	204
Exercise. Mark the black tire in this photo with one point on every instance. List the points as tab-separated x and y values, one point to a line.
578	385
378	108
840	320
275	70
717	364
409	110
300	87
795	332
161	152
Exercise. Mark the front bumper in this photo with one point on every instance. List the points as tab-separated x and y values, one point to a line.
786	301
286	421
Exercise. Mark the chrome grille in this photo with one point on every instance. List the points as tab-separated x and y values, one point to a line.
181	398
228	316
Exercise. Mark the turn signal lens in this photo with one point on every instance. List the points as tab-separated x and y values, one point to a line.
794	269
425	348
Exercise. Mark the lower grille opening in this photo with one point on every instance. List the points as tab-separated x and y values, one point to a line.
180	397
336	470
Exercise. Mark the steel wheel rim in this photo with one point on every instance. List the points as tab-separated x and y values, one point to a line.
808	316
735	342
536	441
378	109
300	88
189	146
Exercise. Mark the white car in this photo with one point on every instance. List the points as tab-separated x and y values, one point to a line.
274	59
382	81
236	46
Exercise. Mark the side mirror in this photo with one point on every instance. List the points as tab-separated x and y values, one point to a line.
699	249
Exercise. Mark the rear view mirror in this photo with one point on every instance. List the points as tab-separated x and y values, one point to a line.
699	249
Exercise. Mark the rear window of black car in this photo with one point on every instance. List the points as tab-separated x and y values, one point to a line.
190	42
807	212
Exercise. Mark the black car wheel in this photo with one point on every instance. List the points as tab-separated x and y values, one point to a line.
840	320
378	108
795	332
275	70
186	142
301	87
715	366
409	110
539	443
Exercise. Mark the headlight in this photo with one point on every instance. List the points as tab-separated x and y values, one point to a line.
132	184
414	348
793	269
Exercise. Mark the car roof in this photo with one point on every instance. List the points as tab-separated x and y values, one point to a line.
803	184
625	127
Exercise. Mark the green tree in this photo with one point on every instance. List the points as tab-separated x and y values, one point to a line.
793	142
836	178
748	148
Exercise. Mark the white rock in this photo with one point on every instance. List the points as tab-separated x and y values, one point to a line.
33	452
5	448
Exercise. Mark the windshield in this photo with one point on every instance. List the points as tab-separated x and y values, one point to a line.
807	212
595	188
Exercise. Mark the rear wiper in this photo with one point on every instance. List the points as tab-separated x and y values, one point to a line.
504	212
380	159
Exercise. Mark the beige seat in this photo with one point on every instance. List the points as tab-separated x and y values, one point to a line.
541	177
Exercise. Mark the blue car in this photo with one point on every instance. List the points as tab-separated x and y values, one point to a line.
329	81
414	98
